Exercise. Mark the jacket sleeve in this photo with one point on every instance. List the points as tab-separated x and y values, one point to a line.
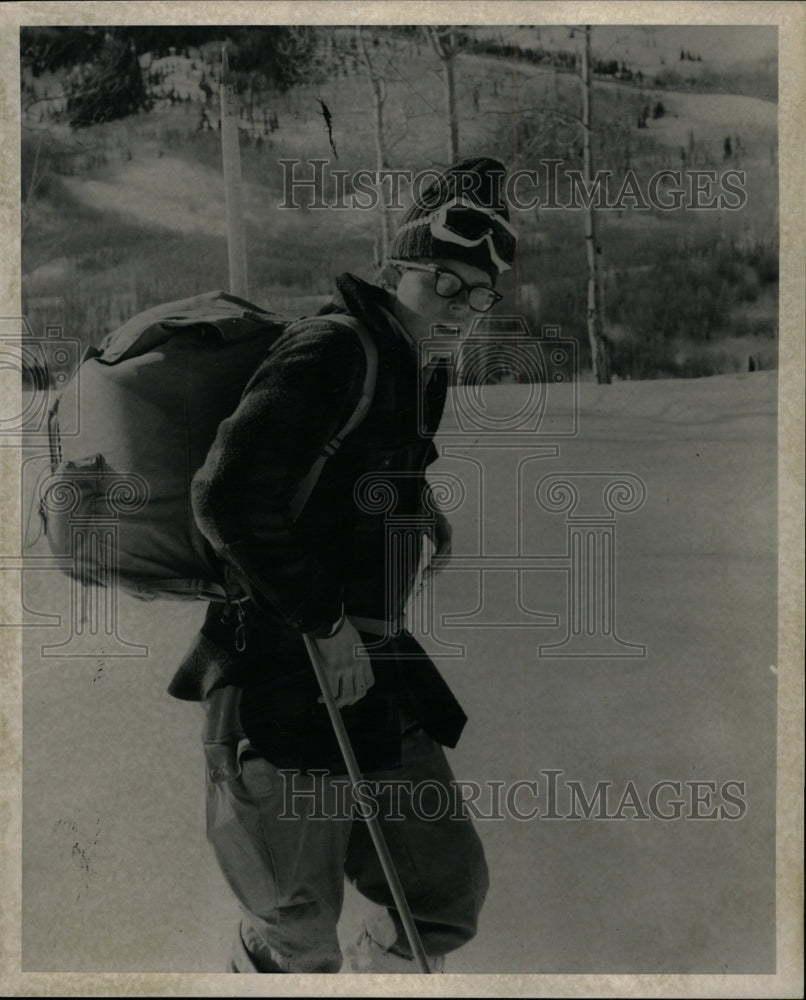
243	495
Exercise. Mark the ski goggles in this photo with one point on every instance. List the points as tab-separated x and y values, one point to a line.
447	284
466	224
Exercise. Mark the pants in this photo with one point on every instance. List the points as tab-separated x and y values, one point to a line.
286	839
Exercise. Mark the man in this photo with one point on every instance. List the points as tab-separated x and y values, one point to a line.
280	821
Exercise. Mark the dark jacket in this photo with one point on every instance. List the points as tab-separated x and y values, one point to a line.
368	502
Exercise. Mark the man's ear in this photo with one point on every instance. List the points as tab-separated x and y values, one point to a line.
389	277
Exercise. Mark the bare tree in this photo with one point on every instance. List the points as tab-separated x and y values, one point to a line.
584	125
33	183
600	354
445	42
377	83
566	130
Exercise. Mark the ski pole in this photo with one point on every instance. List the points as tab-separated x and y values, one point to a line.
375	832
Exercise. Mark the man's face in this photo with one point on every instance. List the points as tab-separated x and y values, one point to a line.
420	306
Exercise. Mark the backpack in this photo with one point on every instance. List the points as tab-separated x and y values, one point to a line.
149	402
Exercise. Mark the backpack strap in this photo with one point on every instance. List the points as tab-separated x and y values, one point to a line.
371	352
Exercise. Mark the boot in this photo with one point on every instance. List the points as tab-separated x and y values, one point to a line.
368	955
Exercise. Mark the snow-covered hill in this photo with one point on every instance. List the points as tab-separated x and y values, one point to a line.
117	873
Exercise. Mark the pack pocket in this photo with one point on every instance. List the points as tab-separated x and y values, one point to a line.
74	493
229	759
259	777
223	761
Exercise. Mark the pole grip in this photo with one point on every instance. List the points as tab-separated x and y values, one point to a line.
375	832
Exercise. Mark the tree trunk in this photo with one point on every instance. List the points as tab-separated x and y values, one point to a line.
381	160
446	49
450	104
599	349
32	185
378	87
233	188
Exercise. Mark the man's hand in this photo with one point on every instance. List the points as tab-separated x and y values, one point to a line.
348	675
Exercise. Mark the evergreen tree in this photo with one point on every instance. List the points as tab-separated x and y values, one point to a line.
113	85
114	89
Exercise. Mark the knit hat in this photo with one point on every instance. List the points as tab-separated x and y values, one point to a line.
461	215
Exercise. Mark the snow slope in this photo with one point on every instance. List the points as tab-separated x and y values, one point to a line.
117	873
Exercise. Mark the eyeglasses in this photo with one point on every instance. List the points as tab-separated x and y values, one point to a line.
448	284
466	224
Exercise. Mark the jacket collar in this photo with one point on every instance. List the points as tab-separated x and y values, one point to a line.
373	307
